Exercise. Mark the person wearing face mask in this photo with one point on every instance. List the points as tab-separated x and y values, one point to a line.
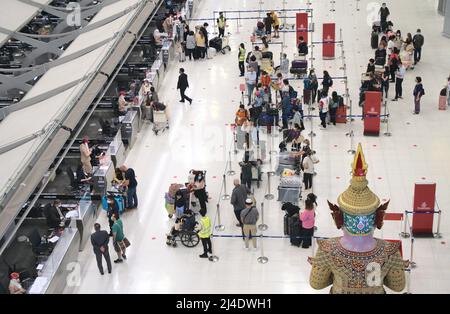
399	77
384	15
200	191
418	93
250	81
398	41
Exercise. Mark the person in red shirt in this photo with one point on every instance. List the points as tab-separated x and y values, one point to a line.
265	82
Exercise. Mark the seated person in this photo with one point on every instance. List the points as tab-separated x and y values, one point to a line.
83	179
53	214
188	220
96	155
14	284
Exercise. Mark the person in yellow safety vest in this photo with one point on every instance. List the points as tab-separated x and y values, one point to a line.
205	234
276	25
221	22
242	57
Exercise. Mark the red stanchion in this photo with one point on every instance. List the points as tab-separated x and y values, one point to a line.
372	112
424	201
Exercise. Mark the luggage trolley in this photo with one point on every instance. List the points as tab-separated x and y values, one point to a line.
160	121
290	189
220	44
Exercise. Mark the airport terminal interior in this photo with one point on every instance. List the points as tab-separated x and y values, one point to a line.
90	105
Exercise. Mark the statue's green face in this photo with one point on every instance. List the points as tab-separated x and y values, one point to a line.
359	225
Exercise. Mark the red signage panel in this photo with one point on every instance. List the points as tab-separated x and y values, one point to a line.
302	26
372	111
424	201
329	38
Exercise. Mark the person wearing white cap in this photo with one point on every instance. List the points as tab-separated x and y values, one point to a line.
249	217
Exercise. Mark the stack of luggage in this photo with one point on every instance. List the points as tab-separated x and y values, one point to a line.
290	188
286	161
290	210
299	66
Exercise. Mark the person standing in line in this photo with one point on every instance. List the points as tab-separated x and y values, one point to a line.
221	23
268	23
190	44
284	65
85	155
100	240
205	234
334	104
200	43
419	91
276	25
418	42
249	218
118	237
200	191
241	57
246	173
385	81
314	84
394	61
250	81
323	107
204	31
130	183
302	46
327	82
307	218
182	85
238	197
399	77
308	170
384	15
113	209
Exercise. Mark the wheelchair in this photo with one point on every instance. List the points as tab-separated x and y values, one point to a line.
187	234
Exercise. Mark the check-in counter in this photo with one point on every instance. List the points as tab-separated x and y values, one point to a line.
103	175
117	150
60	272
88	212
168	52
130	127
153	78
158	67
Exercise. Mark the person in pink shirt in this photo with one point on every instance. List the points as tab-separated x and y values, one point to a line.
307	218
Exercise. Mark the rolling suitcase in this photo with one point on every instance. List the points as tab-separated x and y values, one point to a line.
307	93
196	53
374	40
216	43
442	102
294	230
299	64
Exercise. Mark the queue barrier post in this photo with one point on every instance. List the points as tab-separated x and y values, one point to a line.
262	226
219	226
332	6
230	172
269	195
225	196
357	5
235	139
262	259
437	234
352	145
405	234
411	260
408	281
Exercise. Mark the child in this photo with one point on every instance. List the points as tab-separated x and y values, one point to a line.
205	235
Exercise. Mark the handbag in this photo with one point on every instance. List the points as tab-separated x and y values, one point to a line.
126	242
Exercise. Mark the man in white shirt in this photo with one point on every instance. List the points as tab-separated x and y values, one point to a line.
250	80
399	77
323	107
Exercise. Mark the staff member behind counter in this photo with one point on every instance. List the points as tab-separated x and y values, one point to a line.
53	214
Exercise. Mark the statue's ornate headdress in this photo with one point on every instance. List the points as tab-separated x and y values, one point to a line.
358	201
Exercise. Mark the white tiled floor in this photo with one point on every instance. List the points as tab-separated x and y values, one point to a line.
199	139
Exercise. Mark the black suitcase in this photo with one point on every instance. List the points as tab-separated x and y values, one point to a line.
374	40
216	43
267	55
299	71
295	230
196	53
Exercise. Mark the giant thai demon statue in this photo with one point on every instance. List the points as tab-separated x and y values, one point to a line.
358	263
